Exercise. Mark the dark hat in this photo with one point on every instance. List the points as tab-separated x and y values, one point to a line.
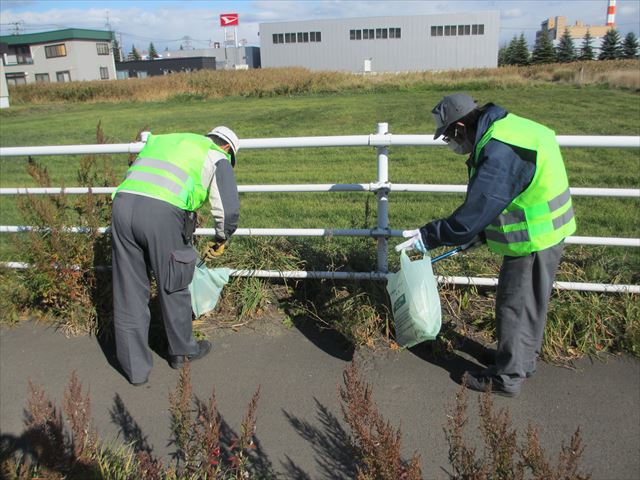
451	109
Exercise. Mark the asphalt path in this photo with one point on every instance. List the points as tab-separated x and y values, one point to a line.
300	430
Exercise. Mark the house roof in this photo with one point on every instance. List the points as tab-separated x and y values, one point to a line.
57	35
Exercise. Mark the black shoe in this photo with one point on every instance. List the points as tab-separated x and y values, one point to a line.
177	361
491	369
482	383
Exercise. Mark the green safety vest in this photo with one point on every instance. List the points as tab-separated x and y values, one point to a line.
169	168
542	215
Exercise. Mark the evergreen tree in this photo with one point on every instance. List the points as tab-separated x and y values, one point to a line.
152	52
520	54
134	53
509	51
630	46
611	48
115	47
566	51
586	51
502	56
543	51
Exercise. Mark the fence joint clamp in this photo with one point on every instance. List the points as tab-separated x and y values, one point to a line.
384	187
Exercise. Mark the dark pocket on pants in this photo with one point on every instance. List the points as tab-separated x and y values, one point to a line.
182	264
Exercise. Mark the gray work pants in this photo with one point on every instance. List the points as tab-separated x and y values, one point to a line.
522	300
147	234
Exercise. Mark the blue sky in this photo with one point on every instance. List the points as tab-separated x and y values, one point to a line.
166	23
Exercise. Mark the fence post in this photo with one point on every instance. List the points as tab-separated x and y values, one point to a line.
383	200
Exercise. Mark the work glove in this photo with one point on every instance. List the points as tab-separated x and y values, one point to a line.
414	242
212	250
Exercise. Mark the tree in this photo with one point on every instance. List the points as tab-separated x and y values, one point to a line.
520	53
152	52
610	48
543	51
630	46
586	51
115	46
502	56
566	51
134	53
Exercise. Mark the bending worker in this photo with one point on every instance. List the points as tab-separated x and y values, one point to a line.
518	200
152	225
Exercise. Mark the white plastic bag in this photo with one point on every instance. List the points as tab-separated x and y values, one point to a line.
414	301
205	288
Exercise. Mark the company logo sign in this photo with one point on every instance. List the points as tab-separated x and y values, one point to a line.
228	19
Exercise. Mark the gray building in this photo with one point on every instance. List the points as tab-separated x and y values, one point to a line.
227	58
448	41
58	56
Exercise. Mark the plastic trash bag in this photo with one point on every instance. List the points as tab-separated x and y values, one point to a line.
206	286
414	301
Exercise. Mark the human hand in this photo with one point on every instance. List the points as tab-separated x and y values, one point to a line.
414	242
212	250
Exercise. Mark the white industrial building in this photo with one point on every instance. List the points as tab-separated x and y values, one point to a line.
447	41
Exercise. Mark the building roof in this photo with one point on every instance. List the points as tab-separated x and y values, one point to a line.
57	35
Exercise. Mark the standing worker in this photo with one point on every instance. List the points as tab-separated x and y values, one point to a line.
152	225
518	200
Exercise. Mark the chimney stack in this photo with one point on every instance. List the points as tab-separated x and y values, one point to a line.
611	14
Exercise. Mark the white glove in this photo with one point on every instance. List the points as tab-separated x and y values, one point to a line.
415	241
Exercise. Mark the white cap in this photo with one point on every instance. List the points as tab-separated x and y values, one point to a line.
230	137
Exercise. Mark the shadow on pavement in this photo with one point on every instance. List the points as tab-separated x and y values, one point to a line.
327	340
259	464
453	362
330	442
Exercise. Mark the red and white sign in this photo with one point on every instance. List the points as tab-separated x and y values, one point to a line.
228	19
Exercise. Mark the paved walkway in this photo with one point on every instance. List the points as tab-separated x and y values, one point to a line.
300	429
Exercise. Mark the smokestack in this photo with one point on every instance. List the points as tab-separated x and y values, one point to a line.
611	14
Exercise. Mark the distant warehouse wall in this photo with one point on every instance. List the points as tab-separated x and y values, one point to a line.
384	44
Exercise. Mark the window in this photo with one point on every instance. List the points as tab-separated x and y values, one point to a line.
23	55
281	38
104	73
316	37
305	37
369	34
352	34
275	38
481	29
64	76
42	78
454	30
103	48
434	31
467	29
300	37
460	29
53	51
447	30
14	79
474	29
394	33
287	38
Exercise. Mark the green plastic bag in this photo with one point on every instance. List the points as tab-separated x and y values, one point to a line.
414	301
206	286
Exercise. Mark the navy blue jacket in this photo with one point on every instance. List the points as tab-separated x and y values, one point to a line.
502	173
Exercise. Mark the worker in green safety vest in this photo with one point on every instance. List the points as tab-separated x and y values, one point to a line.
152	225
518	201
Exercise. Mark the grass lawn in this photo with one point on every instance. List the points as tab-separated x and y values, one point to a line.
567	109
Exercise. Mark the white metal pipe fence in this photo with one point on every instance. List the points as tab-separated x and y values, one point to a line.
381	140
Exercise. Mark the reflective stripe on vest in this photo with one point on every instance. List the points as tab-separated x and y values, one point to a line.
169	168
542	215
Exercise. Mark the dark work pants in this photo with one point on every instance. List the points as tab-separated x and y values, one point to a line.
147	234
522	300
